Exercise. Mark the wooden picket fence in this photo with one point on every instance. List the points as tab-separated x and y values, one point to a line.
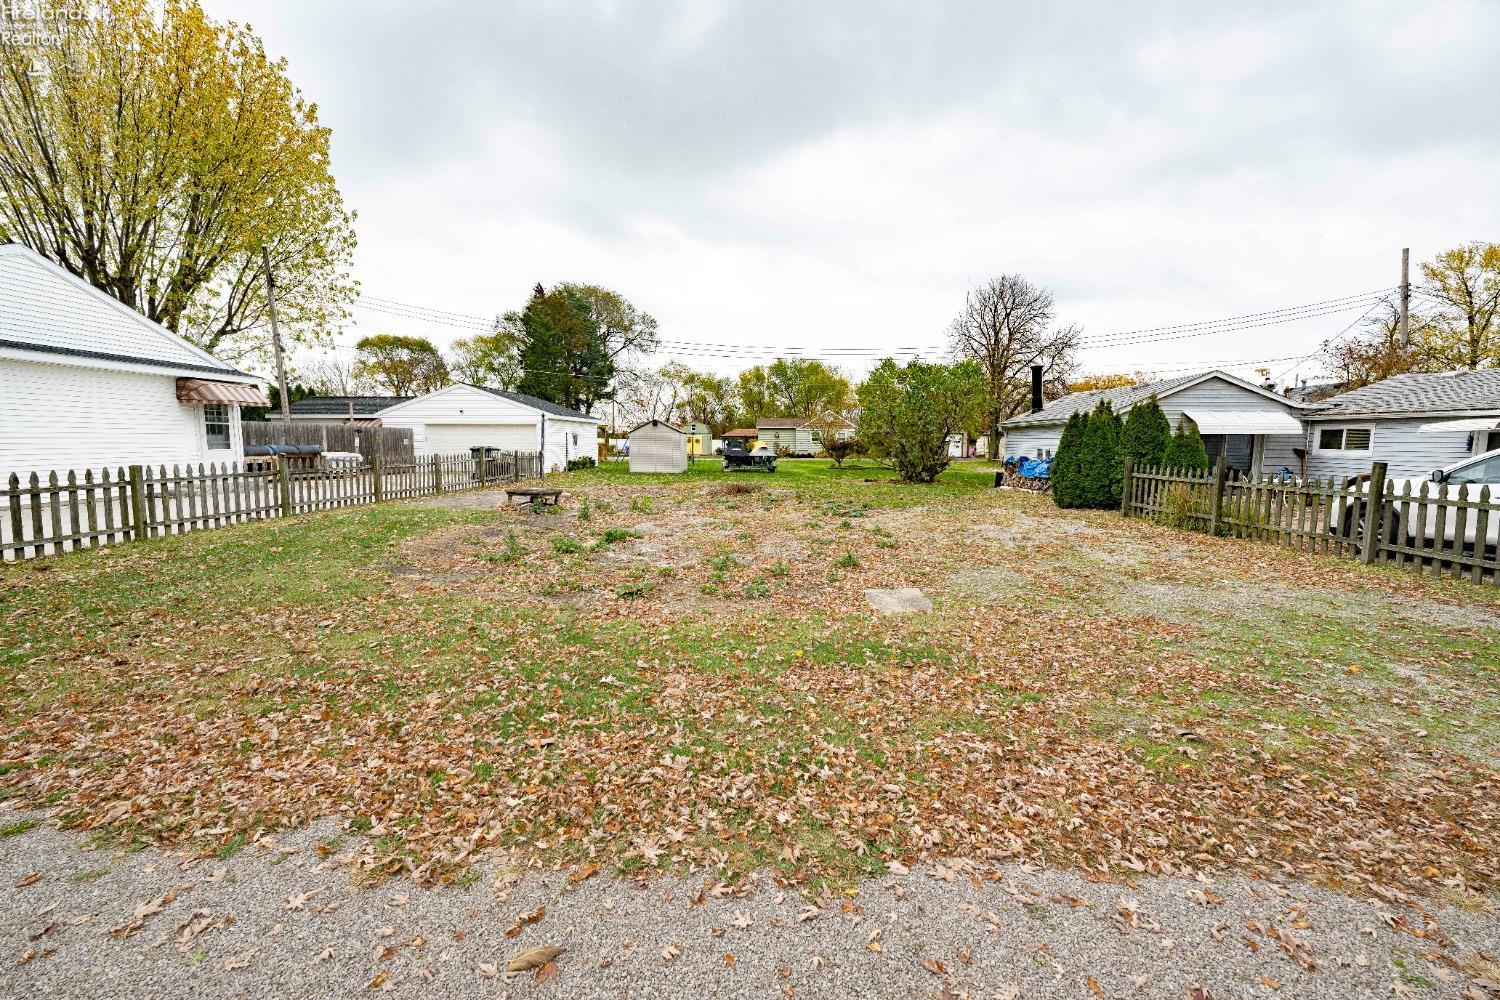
56	514
1447	531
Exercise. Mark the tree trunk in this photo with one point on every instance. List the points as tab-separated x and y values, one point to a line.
992	446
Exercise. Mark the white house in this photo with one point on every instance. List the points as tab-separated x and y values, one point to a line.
802	435
1257	430
86	382
458	417
657	446
1414	423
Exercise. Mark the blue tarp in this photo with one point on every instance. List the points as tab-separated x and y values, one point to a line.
1035	468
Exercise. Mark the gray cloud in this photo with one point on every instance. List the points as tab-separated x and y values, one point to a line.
896	148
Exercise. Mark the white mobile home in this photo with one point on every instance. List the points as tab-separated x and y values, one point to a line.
658	447
86	382
454	419
1257	430
1414	423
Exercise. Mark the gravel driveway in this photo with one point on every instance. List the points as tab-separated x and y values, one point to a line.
283	919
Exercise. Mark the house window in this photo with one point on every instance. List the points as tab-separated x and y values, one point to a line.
1344	439
216	425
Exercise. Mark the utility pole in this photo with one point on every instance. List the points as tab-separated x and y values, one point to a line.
286	406
1405	296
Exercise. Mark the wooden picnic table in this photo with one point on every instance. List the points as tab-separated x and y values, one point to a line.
537	496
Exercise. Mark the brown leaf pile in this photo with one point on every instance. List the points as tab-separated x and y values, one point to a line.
734	713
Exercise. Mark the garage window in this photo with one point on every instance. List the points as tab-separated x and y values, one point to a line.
1344	439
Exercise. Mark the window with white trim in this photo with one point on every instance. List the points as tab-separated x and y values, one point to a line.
216	425
1344	439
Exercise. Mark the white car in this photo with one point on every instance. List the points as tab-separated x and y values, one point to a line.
1464	479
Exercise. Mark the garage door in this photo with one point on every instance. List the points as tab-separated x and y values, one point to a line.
457	439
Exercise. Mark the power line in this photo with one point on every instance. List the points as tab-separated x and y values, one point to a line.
736	351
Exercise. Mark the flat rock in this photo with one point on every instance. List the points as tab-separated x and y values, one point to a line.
898	601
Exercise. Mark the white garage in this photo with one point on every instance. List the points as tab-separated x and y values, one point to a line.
451	439
454	419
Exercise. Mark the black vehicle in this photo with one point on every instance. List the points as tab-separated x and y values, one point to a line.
737	459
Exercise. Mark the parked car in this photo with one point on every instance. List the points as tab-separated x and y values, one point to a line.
1406	514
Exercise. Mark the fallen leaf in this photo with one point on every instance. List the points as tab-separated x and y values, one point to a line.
533	958
546	973
525	920
31	879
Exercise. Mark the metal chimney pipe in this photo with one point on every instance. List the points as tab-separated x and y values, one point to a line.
1036	388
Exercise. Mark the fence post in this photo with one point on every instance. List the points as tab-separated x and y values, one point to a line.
1125	486
284	481
1374	514
437	474
379	477
1216	496
137	503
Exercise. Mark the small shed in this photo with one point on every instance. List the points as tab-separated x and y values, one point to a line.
700	439
656	446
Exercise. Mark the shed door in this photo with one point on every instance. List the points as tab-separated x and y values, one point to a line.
457	439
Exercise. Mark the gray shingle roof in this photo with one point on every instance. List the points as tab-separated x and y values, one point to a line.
556	409
1059	410
1441	392
46	309
338	406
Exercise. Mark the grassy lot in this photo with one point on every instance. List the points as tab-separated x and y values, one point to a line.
682	670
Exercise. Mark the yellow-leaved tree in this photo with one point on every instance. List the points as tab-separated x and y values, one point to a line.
1462	286
154	153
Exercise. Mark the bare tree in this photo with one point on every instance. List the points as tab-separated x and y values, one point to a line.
329	373
1006	326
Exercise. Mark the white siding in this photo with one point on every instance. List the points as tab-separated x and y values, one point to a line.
58	416
1216	394
657	448
1031	441
567	438
456	439
1210	394
466	407
1406	452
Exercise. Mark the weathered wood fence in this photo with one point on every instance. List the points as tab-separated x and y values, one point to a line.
1449	531
53	514
393	444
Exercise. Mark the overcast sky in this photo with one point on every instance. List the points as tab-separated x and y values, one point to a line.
834	177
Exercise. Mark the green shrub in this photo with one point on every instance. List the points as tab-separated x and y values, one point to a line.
1067	463
580	463
1147	435
1186	450
563	545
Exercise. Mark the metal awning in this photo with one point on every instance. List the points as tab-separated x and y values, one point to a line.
1460	426
202	390
1245	422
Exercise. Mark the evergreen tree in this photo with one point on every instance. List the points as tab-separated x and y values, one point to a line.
1186	450
564	354
1147	435
1102	475
1066	464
